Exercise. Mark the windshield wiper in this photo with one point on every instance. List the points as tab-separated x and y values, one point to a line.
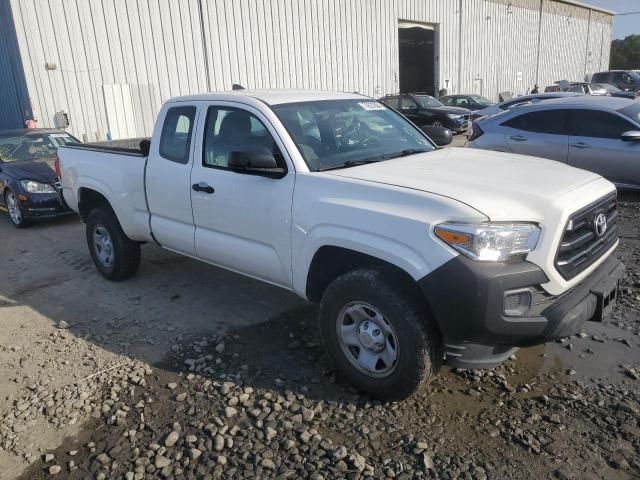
350	163
404	153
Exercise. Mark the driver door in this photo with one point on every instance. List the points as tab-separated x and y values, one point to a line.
242	221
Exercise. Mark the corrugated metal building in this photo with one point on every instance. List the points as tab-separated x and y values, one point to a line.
111	63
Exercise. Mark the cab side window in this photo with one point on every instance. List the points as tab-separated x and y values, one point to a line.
175	139
230	129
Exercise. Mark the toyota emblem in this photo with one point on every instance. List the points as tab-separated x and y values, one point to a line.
600	224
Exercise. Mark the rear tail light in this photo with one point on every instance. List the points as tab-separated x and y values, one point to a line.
56	166
474	132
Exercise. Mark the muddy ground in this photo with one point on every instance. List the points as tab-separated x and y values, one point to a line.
188	371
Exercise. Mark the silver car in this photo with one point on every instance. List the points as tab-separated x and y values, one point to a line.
600	134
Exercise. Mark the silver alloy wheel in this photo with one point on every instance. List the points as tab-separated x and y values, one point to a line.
14	208
103	246
438	123
367	339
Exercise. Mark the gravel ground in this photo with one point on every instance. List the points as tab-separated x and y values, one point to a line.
187	371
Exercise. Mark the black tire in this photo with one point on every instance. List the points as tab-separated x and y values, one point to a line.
19	221
418	337
438	123
126	253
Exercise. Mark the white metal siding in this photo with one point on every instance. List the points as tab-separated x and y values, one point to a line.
156	49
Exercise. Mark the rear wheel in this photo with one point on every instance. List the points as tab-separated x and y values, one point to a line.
438	123
115	256
379	336
16	214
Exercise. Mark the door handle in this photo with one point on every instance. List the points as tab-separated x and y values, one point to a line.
581	145
518	138
202	187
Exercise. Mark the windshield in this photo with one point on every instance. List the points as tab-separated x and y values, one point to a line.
632	112
427	101
32	146
485	102
342	133
634	75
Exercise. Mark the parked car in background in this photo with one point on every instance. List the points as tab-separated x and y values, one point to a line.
514	102
423	109
623	79
28	188
472	102
415	254
599	134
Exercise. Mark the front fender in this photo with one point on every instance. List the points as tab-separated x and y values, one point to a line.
388	249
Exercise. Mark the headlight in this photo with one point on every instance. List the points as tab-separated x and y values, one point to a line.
32	186
453	116
490	242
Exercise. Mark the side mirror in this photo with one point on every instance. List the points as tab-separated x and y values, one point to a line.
632	136
255	163
441	136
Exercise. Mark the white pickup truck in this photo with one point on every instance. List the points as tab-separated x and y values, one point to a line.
416	254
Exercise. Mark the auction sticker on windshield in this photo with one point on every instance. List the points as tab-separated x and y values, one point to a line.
372	106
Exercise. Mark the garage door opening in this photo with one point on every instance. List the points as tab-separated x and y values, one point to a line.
417	43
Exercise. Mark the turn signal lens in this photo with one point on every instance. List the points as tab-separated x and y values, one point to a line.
453	238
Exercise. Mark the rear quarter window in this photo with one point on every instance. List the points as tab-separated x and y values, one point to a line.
175	139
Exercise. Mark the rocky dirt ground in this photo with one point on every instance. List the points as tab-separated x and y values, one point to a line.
187	371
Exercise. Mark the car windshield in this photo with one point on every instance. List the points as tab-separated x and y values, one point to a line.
32	146
632	111
427	101
341	133
485	102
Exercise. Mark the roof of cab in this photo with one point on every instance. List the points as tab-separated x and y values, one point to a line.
272	97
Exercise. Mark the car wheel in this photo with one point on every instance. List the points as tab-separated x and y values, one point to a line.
379	335
438	123
16	214
115	256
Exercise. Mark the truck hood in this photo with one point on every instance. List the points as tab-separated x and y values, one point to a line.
502	186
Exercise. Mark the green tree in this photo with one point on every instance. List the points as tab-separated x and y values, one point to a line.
625	53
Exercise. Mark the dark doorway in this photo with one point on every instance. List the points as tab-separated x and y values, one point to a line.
417	59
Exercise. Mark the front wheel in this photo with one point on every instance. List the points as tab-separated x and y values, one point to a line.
115	256
438	123
16	214
378	335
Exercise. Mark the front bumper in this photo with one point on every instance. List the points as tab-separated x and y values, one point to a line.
44	205
466	298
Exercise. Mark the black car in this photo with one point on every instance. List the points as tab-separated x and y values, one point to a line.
423	110
471	102
28	183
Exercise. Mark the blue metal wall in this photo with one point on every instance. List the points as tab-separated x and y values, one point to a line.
15	106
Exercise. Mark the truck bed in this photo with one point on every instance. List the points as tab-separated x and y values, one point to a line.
115	172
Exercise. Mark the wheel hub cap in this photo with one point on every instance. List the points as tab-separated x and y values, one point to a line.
102	245
367	339
370	336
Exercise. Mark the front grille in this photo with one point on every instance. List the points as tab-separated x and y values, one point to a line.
583	243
